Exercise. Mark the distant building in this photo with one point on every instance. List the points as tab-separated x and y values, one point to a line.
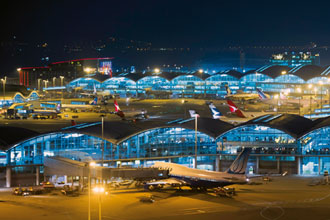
295	59
39	77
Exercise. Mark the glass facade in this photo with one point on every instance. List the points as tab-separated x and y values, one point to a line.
213	86
216	84
307	155
120	85
262	139
155	143
153	82
165	142
85	83
71	145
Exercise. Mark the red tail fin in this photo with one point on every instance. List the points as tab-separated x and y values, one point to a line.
234	109
119	112
73	122
117	109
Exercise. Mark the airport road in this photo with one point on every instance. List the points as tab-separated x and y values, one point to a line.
168	109
282	198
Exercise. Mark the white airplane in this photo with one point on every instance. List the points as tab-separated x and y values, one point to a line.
47	112
96	93
91	105
236	115
183	176
130	115
260	95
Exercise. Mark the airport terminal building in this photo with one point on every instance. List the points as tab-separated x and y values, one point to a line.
201	84
277	143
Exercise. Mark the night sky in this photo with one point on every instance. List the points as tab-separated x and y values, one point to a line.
169	23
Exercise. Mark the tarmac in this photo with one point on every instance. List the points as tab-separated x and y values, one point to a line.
289	197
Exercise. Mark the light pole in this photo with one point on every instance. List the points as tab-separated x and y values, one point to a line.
102	148
276	98
39	84
184	105
195	165
299	91
321	87
310	86
91	164
62	77
46	82
4	89
54	80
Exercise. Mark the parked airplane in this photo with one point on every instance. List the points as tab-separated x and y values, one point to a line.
239	113
47	112
183	176
91	105
96	93
240	95
262	95
130	115
236	115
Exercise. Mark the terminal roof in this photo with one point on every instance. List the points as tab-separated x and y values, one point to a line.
307	72
291	124
117	131
12	135
275	71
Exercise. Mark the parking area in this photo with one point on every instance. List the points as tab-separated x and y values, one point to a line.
281	198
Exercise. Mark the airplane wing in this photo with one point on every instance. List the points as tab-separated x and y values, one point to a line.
169	181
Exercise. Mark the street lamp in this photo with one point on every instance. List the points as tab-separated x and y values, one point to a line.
39	80
102	148
196	116
276	98
46	82
4	80
184	105
62	77
321	86
299	91
54	80
91	164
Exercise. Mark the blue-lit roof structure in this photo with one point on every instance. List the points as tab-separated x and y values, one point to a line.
289	136
270	78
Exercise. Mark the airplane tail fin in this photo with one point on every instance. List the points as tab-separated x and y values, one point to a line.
58	107
94	91
117	109
193	113
234	109
216	114
119	112
261	94
240	163
94	102
228	90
